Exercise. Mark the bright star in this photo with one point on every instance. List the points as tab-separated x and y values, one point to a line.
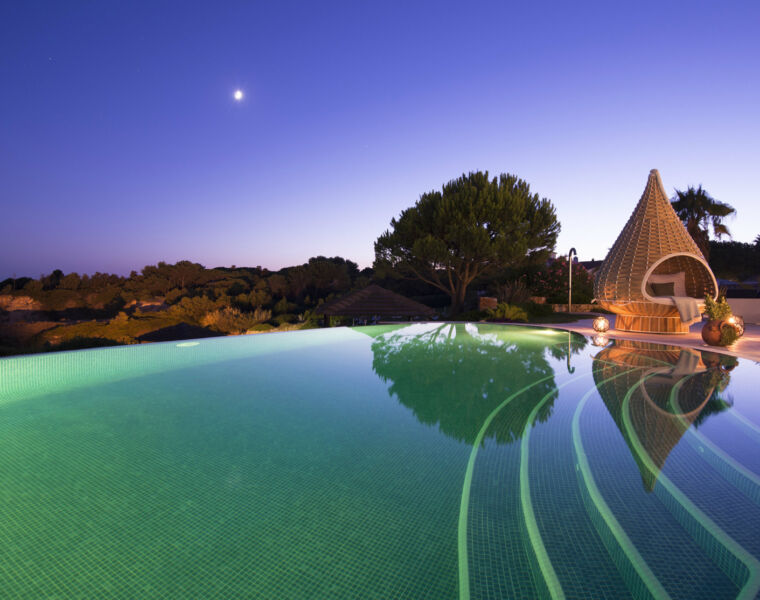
238	95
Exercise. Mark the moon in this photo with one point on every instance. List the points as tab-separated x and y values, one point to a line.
238	95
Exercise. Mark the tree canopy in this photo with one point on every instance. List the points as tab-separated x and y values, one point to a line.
471	228
700	212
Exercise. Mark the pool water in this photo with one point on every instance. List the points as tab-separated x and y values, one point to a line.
411	461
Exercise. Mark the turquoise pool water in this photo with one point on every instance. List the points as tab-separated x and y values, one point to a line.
413	461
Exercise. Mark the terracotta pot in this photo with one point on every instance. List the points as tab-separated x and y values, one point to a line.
711	332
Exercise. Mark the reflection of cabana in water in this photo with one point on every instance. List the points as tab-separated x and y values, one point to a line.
654	277
647	420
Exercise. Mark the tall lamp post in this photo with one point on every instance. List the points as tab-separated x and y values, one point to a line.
570	279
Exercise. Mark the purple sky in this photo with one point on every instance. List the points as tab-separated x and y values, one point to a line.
121	144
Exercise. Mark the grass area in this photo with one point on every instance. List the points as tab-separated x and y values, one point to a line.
123	331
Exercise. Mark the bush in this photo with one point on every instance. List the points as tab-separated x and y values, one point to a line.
283	306
513	292
175	295
228	320
307	315
119	319
261	314
507	312
551	282
192	310
61	300
33	286
728	335
717	309
286	318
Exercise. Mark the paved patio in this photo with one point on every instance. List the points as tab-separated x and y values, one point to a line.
748	346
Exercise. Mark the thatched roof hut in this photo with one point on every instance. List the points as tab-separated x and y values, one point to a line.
652	252
374	301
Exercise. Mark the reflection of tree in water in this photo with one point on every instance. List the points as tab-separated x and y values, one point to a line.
455	375
658	418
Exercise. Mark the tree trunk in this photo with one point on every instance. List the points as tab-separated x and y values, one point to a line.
457	299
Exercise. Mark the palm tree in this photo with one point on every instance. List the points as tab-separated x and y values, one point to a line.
700	212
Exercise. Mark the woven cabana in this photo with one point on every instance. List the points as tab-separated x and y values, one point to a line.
374	301
653	263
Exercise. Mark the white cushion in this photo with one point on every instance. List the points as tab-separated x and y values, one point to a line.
678	279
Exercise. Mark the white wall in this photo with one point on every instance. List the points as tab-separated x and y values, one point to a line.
747	308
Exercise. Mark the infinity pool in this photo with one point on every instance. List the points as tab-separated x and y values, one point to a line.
411	461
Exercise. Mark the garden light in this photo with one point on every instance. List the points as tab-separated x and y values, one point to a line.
737	323
601	324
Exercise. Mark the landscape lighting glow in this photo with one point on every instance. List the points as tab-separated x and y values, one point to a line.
601	324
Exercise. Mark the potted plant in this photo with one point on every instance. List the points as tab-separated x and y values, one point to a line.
717	331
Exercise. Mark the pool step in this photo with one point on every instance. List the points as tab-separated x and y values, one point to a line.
685	549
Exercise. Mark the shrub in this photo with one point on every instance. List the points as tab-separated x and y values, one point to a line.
283	306
551	282
728	335
192	310
175	295
33	286
119	319
717	309
286	318
507	312
259	315
513	292
228	320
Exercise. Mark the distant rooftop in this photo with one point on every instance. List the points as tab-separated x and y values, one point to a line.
374	301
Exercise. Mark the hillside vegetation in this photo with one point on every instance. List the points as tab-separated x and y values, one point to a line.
183	300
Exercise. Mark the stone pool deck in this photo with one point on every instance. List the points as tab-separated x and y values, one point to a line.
748	346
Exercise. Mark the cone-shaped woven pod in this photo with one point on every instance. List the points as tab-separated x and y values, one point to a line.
654	246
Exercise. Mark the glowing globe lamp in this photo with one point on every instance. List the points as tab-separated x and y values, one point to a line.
737	323
601	324
600	340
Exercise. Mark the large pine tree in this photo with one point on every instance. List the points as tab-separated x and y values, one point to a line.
471	228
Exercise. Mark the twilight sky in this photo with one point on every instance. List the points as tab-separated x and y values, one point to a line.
121	143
